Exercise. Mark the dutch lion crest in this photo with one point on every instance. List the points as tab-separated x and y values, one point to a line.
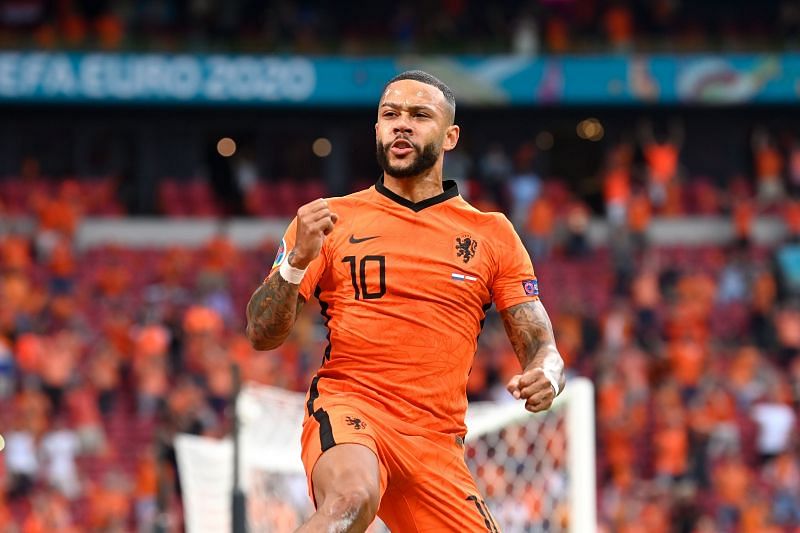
466	247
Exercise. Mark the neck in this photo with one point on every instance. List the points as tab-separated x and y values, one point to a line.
416	188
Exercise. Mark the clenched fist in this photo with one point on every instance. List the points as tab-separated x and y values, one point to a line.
533	387
315	220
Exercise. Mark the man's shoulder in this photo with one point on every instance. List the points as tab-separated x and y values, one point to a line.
493	220
354	199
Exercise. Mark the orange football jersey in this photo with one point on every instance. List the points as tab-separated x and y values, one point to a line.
404	288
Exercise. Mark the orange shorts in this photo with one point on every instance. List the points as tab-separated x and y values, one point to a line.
425	484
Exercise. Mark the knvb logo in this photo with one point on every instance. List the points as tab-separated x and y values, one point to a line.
357	423
466	247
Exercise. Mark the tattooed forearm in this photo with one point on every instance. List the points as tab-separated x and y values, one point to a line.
531	334
271	312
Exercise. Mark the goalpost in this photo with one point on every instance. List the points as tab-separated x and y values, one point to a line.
535	471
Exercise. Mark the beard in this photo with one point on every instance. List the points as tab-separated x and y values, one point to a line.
423	160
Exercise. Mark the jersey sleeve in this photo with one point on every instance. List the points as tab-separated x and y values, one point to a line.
315	268
514	280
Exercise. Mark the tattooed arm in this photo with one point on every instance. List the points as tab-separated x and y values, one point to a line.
274	306
271	312
531	334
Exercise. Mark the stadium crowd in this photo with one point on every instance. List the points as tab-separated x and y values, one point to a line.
106	353
518	26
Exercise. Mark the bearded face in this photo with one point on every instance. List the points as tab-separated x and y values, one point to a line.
401	158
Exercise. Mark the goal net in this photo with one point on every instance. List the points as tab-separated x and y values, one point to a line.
535	471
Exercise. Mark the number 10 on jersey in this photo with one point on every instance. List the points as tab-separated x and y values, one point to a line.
360	285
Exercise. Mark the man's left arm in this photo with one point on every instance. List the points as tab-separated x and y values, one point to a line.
531	334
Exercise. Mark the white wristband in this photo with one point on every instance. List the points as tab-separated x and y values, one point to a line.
550	375
291	274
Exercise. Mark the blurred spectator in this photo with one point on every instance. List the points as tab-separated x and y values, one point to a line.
743	215
24	14
618	20
221	176
756	516
557	35
784	474
146	489
794	166
732	482
672	446
307	28
617	183
539	228
16	256
495	168
109	503
525	39
776	421
662	158
791	216
6	369
245	171
733	284
458	167
59	447
22	463
715	428
113	276
617	326
57	368
150	367
646	298
32	409
525	185
103	374
745	375
768	168
787	327
62	267
187	410
84	416
639	215
687	359
49	512
58	218
577	225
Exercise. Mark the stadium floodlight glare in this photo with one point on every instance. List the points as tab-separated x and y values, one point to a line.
226	147
590	129
544	141
322	147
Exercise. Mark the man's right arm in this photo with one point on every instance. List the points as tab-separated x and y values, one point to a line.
271	312
274	306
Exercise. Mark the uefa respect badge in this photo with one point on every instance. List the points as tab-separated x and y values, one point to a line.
281	255
531	287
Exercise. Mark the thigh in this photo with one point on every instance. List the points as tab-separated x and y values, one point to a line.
437	493
343	468
339	449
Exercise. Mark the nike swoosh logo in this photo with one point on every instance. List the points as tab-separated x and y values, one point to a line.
354	240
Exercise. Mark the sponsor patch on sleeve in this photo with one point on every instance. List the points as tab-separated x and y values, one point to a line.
281	254
531	287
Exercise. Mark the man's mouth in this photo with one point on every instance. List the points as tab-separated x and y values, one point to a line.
401	147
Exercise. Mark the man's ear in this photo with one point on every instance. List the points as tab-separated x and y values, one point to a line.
451	137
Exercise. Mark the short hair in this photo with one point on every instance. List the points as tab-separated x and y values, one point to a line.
428	79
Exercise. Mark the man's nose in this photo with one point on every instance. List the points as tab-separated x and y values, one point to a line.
402	125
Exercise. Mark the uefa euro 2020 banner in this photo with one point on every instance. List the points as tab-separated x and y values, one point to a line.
42	77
